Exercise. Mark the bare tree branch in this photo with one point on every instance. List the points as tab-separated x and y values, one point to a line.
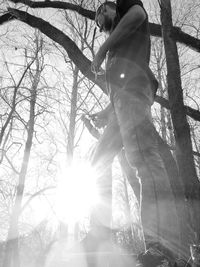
155	29
57	4
77	56
59	37
35	195
178	35
6	18
193	113
13	107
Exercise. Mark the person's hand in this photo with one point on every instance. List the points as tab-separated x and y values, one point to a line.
97	61
83	118
100	119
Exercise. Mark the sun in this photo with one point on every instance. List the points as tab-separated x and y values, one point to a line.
76	192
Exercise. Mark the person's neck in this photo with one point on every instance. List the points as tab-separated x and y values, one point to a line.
114	24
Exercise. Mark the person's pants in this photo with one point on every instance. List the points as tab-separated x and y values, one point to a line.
159	217
131	126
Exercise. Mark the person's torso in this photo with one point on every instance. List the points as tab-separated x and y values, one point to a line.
136	47
129	61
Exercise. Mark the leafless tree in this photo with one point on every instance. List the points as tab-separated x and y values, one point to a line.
172	35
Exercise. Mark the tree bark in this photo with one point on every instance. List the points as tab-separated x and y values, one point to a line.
181	127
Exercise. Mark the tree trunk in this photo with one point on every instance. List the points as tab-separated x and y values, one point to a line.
162	120
162	91
170	129
181	127
72	122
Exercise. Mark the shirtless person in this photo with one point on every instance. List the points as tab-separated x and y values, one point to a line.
131	86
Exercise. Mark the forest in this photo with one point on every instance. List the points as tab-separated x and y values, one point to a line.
47	137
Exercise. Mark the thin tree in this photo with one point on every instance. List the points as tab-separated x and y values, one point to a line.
74	53
184	154
11	254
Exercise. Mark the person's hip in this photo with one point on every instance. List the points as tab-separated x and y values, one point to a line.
123	74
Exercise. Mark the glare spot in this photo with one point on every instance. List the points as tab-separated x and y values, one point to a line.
77	193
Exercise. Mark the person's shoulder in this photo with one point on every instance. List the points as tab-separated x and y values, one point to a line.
124	5
128	3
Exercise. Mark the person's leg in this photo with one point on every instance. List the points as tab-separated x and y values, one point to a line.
159	216
108	146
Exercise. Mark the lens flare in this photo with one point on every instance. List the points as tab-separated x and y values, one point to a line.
76	193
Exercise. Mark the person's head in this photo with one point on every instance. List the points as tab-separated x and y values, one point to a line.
105	16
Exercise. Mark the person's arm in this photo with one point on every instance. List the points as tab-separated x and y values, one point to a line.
100	119
128	24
